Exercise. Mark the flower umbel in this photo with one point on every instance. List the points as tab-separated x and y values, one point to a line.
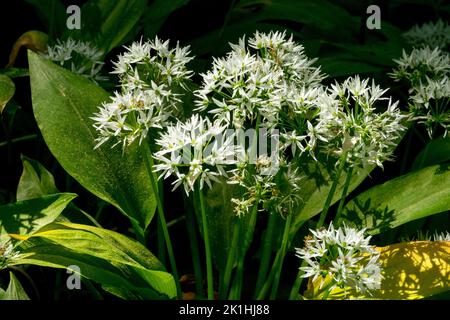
7	253
78	56
351	125
344	254
195	150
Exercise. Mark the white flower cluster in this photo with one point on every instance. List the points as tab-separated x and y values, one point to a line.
7	253
195	150
80	57
432	34
345	255
427	71
250	80
443	236
145	63
420	64
350	125
278	194
153	79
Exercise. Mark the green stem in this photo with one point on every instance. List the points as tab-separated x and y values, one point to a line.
138	231
265	288
407	150
267	250
209	268
190	223
297	283
244	247
20	139
149	165
276	280
344	194
161	242
231	258
330	196
299	279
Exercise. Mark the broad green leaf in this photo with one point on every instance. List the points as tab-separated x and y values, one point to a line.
435	152
414	270
63	104
7	89
15	72
28	216
118	18
410	270
14	291
315	190
122	266
221	219
413	196
157	13
35	181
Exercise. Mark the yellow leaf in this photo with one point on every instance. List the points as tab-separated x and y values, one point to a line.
414	270
411	270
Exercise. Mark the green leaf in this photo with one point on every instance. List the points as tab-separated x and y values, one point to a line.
122	266
7	89
412	196
28	216
316	188
15	290
221	219
118	18
410	270
15	72
157	13
63	104
35	181
435	152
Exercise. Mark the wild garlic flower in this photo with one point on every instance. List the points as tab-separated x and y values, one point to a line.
196	150
149	62
432	34
345	255
443	236
430	105
420	64
153	80
352	127
427	73
130	116
7	254
250	78
80	57
275	193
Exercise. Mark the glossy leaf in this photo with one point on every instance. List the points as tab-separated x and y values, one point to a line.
35	181
28	216
63	104
118	18
14	291
410	270
413	196
315	190
122	266
7	89
435	152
